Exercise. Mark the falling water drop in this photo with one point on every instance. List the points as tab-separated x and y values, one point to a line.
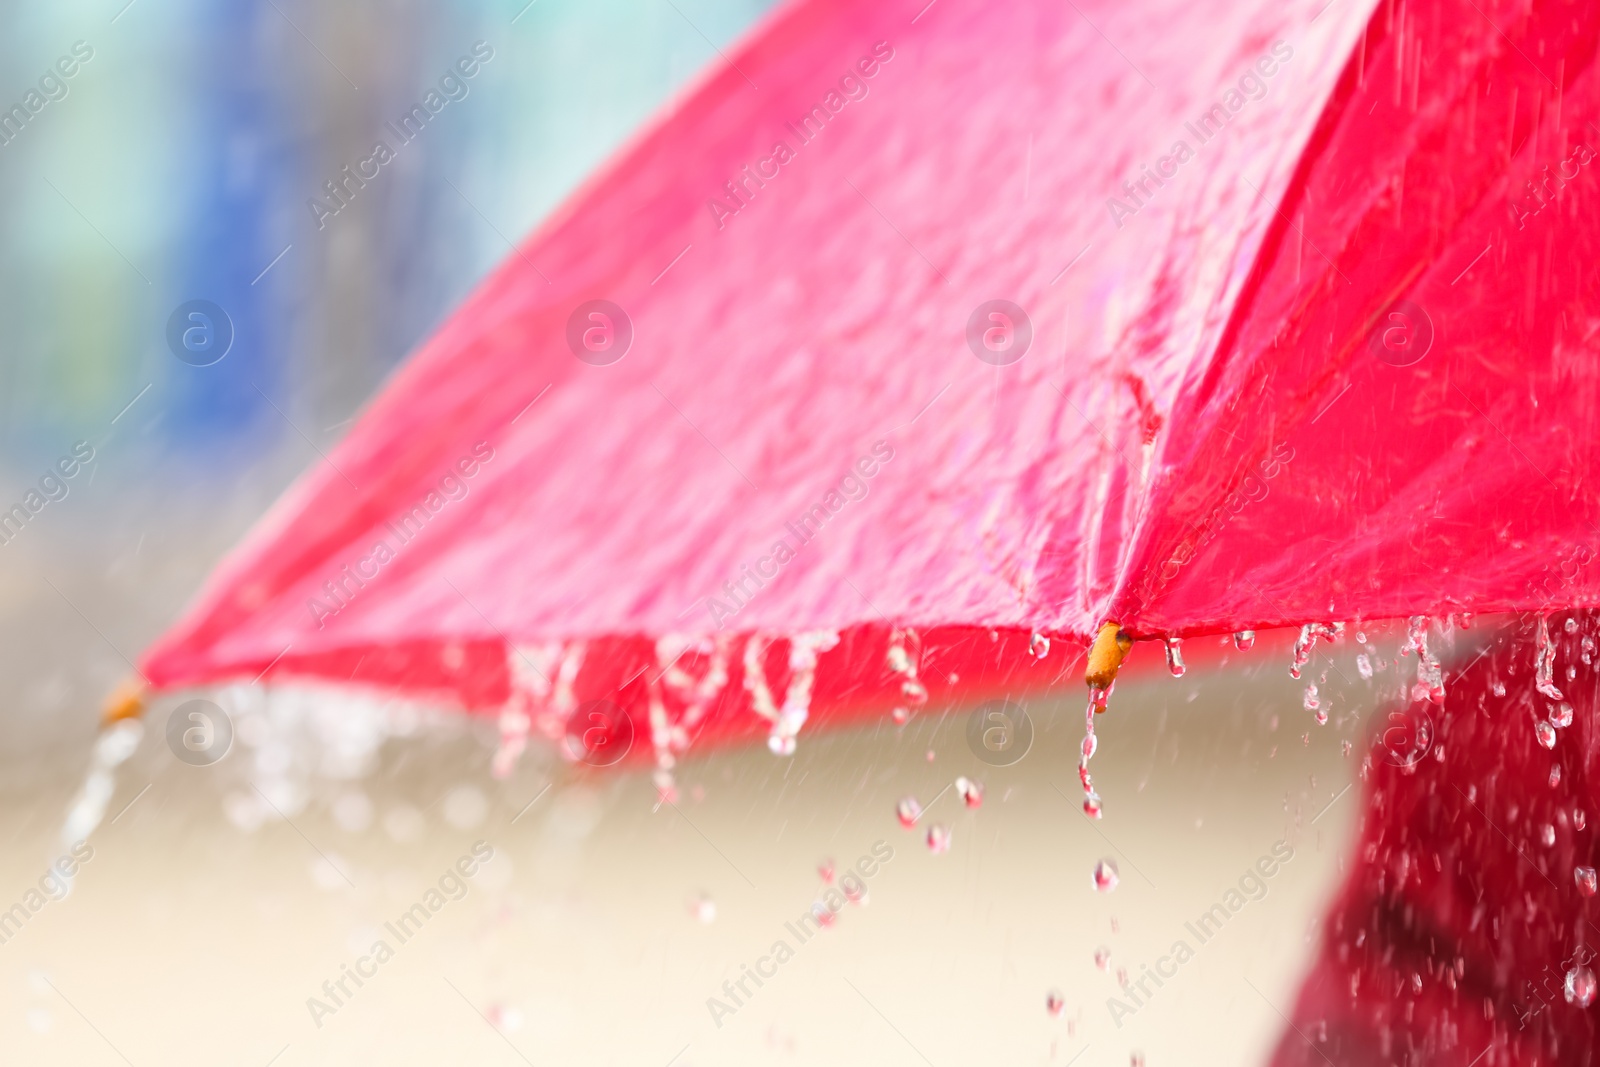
1579	819
1039	645
1346	746
1364	666
826	871
914	691
1307	640
1055	1004
938	838
1546	734
1310	700
1244	640
1571	626
1175	657
704	909
908	811
1547	834
970	791
1322	716
1102	958
1580	987
781	744
1555	775
1091	744
900	715
1105	875
1561	714
1544	663
1586	879
1091	806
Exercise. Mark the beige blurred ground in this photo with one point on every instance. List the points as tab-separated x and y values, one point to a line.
190	941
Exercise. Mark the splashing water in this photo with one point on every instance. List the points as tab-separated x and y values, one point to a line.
111	750
1310	700
1106	876
1580	987
1364	666
786	721
1175	657
908	811
1561	715
1430	676
1546	734
938	838
1039	645
1308	641
1586	879
1544	663
1244	640
971	792
1091	799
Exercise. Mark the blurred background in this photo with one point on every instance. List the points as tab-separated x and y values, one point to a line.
177	163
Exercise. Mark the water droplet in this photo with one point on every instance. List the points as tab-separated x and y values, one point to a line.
1055	1004
1244	640
1039	645
1091	806
1364	666
970	791
1361	637
1586	879
1175	657
1105	875
1090	745
1322	716
781	744
1546	734
1498	689
900	715
1136	1059
1580	987
897	660
1122	976
1544	663
1579	819
1310	700
1307	640
908	811
826	871
704	909
938	838
1572	625
1561	714
1102	958
1345	746
1547	834
1555	775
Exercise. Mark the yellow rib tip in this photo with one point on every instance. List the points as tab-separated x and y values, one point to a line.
1110	646
127	701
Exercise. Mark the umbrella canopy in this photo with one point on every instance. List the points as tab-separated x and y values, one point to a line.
931	326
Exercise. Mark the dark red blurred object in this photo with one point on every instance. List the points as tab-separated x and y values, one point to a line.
1452	938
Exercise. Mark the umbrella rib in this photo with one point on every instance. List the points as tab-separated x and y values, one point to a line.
1279	212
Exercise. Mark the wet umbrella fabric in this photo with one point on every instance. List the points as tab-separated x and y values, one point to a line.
932	326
